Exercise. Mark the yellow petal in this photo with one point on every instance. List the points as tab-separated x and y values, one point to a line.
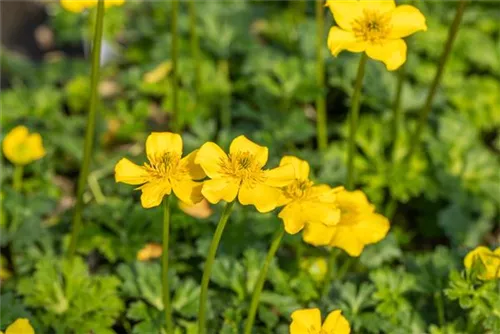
128	172
194	170
12	142
211	158
354	201
371	228
153	193
301	167
291	216
20	326
305	318
220	189
318	234
150	251
159	143
265	198
74	5
345	12
336	323
382	6
34	142
200	210
317	212
187	190
243	144
110	3
279	176
339	40
346	240
322	193
478	252
158	73
391	52
406	20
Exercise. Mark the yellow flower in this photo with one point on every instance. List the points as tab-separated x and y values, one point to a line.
306	202
158	73
317	267
489	259
79	6
150	251
21	147
308	321
200	210
375	27
166	171
20	326
240	174
359	225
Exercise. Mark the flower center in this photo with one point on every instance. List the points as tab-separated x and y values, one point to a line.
298	188
163	165
243	166
372	27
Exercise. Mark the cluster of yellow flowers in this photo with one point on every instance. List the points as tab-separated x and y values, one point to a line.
79	6
329	216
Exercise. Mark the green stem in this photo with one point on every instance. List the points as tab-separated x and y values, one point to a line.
424	112
438	302
175	55
396	108
321	121
353	121
208	267
195	46
90	131
332	260
17	180
164	266
262	279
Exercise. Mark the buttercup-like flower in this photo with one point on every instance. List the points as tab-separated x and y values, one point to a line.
305	202
150	251
308	321
490	260
20	326
21	147
166	171
359	225
375	27
240	174
79	6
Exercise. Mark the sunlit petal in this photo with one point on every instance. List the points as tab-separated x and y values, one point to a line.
279	176
128	172
339	40
153	193
194	169
391	52
336	323
406	20
301	167
216	190
159	143
265	198
187	190
243	144
211	158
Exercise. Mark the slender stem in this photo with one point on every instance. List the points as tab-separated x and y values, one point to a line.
195	46
321	121
175	55
353	121
439	303
208	267
332	260
396	109
17	181
90	131
424	112
262	279
164	266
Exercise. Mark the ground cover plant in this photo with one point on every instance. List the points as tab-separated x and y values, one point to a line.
326	167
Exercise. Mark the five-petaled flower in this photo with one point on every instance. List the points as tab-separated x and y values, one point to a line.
240	173
79	6
21	147
305	202
489	260
375	27
166	171
308	321
359	225
20	326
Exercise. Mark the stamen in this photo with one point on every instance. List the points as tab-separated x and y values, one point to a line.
372	27
243	166
164	165
298	188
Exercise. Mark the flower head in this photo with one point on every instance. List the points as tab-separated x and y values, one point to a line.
240	173
150	251
21	147
308	321
305	202
20	326
166	171
359	225
490	260
375	27
79	6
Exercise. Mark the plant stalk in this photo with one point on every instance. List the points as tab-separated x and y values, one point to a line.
90	131
321	118
17	180
212	251
254	304
176	125
164	267
195	46
353	121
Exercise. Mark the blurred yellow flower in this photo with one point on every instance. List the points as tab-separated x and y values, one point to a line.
375	27
489	259
308	321
240	174
200	210
359	225
79	6
316	267
158	73
21	147
20	326
305	202
166	171
150	251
